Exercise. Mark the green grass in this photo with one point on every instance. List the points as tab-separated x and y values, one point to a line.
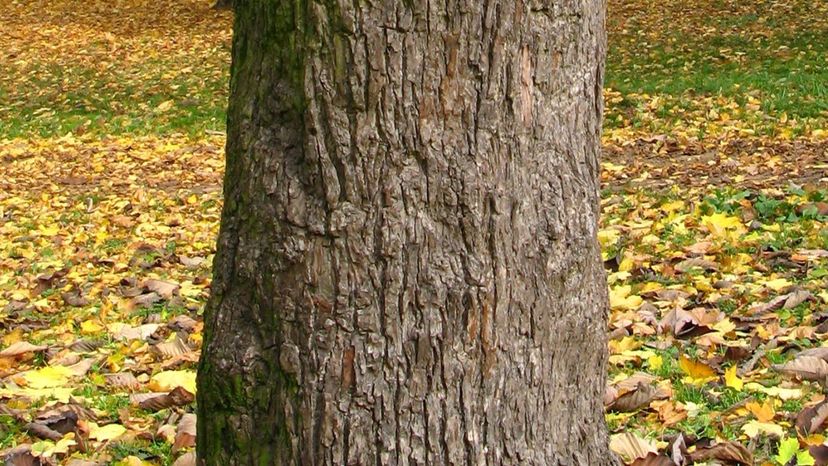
726	48
119	102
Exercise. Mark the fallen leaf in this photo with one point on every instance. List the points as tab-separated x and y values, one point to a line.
168	380
631	447
697	371
729	452
753	428
185	437
805	368
107	432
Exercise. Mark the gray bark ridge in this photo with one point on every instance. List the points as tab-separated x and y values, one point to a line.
407	271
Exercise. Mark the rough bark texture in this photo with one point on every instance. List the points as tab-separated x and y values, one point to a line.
407	270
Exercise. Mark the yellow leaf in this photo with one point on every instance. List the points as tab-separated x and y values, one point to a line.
626	265
63	445
697	371
778	284
13	337
753	428
47	377
778	392
624	344
107	432
655	362
58	393
763	412
43	449
168	380
164	106
620	298
724	326
723	226
672	206
133	461
90	327
732	380
608	236
50	230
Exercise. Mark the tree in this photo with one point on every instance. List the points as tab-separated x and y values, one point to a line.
407	270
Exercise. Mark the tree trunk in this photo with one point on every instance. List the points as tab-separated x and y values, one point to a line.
407	270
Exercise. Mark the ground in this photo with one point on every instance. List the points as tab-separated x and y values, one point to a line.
714	231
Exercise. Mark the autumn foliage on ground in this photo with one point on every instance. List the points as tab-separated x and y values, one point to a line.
714	233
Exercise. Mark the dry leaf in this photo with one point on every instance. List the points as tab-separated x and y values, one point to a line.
158	401
730	452
631	447
805	368
186	435
164	289
811	420
123	380
21	348
653	459
187	459
694	369
171	349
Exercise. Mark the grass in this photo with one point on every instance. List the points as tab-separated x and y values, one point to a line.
762	57
164	74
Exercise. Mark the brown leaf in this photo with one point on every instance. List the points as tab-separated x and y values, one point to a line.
164	288
145	300
21	455
635	399
123	380
86	346
700	248
728	451
820	454
190	262
80	368
171	349
653	459
158	401
166	432
61	419
21	348
74	299
683	324
696	262
43	431
182	360
771	305
187	459
805	368
820	352
811	420
137	333
796	298
183	323
82	462
186	435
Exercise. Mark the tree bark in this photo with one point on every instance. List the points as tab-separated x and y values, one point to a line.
407	270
